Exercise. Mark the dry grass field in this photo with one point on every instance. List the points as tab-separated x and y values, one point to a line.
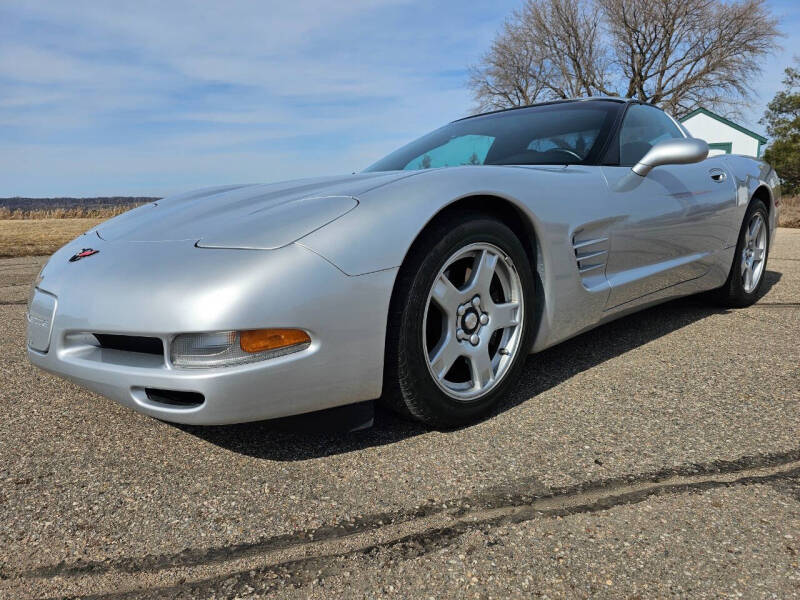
65	213
790	212
32	237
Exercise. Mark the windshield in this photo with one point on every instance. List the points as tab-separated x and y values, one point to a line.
552	134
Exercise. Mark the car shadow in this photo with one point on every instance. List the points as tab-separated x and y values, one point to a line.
322	434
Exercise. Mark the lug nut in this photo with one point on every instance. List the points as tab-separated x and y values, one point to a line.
460	334
474	339
476	301
484	319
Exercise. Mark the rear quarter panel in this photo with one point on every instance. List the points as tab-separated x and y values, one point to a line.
750	174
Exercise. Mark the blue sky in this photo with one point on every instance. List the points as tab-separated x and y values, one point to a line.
151	98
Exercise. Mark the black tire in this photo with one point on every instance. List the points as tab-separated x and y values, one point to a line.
409	386
734	294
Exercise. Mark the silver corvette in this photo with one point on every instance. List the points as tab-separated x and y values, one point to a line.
424	280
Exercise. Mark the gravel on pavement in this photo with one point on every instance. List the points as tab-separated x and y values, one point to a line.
96	499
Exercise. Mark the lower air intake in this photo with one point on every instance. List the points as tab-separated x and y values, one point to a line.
131	343
174	397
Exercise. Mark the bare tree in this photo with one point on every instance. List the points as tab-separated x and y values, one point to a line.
512	72
678	54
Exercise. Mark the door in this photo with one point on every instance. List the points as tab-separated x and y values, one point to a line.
672	222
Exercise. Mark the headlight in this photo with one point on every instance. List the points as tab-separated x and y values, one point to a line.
229	348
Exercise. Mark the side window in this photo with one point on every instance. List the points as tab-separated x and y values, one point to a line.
461	150
644	126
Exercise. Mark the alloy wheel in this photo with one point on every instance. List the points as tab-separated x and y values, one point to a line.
473	321
754	252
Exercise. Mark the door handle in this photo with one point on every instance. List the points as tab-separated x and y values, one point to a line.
718	175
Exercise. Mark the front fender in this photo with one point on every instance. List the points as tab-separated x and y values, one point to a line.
553	199
379	234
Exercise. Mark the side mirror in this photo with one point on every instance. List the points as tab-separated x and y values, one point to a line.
679	151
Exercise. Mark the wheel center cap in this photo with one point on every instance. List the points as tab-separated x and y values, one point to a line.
469	321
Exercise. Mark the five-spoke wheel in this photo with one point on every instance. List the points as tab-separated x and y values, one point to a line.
459	328
754	252
746	276
472	321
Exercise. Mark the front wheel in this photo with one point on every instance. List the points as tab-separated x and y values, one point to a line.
459	329
750	260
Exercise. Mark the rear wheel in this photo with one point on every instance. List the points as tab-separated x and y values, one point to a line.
458	332
750	260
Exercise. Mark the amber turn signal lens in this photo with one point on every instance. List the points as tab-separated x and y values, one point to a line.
261	340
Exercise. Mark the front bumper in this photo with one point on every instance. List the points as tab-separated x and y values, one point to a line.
167	288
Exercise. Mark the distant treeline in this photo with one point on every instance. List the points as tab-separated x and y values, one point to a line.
88	204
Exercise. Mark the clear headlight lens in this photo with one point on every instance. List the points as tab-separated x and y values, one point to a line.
229	348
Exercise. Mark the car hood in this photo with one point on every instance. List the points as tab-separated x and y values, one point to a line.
259	216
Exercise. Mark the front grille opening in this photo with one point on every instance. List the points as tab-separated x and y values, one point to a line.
174	397
131	343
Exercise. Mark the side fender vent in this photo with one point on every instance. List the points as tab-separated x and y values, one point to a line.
591	256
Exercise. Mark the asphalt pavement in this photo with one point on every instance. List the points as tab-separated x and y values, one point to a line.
657	456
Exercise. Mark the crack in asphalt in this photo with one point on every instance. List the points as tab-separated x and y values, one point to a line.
299	572
757	304
522	493
12	302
